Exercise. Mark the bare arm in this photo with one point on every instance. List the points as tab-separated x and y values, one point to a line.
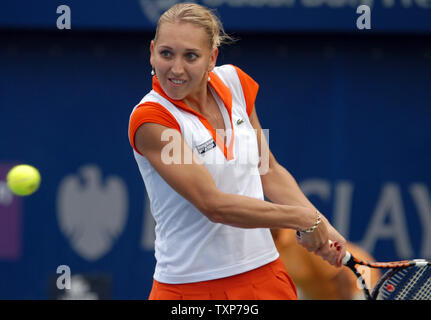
194	183
280	186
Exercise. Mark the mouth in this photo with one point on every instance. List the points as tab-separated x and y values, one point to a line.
176	82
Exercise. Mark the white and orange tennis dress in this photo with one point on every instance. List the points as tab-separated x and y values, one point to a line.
189	248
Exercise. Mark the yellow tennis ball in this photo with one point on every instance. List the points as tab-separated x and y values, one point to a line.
23	179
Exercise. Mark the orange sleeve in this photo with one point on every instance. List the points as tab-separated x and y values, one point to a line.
150	112
249	87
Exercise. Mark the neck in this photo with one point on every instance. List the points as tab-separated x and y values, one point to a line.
198	100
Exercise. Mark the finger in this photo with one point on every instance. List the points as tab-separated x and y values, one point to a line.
325	253
325	248
329	254
332	257
341	255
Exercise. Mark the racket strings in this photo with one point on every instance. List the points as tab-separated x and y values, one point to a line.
425	292
408	284
411	285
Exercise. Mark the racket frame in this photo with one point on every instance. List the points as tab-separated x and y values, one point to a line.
351	262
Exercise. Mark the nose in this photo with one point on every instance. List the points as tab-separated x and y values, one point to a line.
177	68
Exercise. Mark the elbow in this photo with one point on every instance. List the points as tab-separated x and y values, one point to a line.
215	217
272	170
210	207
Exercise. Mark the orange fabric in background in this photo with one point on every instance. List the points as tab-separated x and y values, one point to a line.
269	282
315	277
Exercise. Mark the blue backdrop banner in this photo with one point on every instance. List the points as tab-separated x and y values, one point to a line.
242	15
349	117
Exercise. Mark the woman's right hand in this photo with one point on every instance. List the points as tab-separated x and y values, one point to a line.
318	242
315	240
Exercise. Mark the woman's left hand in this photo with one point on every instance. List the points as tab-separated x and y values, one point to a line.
338	243
334	251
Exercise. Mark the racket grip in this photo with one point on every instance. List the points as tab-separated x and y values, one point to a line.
346	258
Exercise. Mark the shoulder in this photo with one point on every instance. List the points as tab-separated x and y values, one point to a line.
227	70
153	112
230	73
152	108
239	82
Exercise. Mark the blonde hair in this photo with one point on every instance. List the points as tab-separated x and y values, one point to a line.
200	16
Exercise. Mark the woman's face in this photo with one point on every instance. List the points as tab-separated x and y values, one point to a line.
182	58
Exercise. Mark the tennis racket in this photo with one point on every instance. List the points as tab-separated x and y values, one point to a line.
405	280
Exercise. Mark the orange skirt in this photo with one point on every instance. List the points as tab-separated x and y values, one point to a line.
269	282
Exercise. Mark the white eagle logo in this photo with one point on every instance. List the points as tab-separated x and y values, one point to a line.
90	213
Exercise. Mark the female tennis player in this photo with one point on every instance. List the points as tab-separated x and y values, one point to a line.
207	166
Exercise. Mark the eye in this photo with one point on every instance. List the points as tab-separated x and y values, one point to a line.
165	54
191	56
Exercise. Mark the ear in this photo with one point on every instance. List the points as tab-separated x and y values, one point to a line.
152	53
213	59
